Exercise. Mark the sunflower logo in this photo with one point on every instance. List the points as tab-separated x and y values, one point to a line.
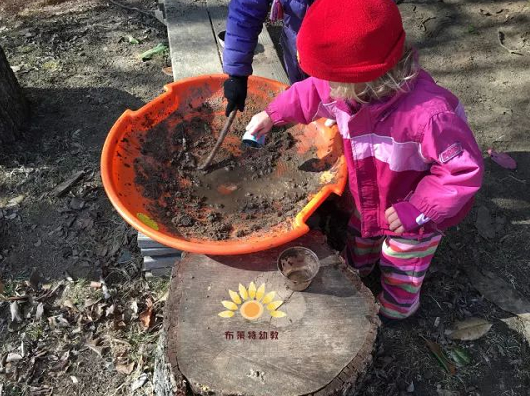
251	303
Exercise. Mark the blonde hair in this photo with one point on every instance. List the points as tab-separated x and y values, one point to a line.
395	80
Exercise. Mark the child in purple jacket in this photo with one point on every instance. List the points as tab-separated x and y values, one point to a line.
413	163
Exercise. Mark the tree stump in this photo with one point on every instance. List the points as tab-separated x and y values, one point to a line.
320	347
13	105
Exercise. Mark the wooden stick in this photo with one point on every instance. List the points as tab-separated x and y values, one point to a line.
220	140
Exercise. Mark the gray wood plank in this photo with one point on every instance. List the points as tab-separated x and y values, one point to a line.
191	41
327	327
266	63
151	263
160	251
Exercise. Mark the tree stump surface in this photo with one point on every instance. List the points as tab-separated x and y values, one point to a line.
322	345
13	105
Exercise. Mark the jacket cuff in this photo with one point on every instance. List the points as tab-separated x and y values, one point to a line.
424	207
242	70
411	218
275	114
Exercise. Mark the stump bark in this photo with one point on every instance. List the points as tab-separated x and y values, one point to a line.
321	347
13	106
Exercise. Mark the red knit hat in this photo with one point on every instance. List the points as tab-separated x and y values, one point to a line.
350	41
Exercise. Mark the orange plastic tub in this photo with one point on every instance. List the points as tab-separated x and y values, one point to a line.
124	142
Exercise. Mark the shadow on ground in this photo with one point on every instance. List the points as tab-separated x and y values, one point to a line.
79	232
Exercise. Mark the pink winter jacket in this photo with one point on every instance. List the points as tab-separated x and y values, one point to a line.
414	146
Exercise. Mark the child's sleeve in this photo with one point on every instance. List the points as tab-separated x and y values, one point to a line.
243	26
456	171
301	103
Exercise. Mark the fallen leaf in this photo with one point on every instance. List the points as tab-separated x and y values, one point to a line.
159	49
15	201
11	216
52	322
77	203
63	364
502	159
132	40
438	353
125	368
62	321
484	223
94	346
146	318
23	349
469	330
164	297
15	312
69	304
39	311
105	290
139	382
460	356
13	357
90	302
168	71
95	285
498	291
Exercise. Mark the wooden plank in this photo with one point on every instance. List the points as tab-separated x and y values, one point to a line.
266	62
327	327
192	44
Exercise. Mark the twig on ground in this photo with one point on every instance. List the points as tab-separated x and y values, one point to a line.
437	303
501	42
15	298
422	25
514	178
519	180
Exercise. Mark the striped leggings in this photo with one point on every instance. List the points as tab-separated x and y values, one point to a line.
403	263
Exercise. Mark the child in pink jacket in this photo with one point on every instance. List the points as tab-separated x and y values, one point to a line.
413	163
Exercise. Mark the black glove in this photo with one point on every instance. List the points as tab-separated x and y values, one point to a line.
236	93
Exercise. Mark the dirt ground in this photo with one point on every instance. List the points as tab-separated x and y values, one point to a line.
80	71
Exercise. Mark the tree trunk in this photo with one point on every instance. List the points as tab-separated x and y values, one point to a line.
322	347
13	105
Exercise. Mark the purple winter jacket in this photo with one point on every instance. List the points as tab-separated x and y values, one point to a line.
243	26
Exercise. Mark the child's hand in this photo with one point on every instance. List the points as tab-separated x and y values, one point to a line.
260	124
393	221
